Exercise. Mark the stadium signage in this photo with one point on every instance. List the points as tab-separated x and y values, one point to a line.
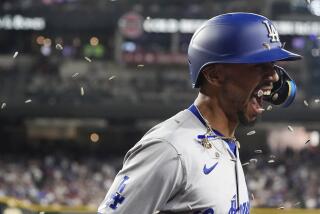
171	25
130	25
158	25
19	22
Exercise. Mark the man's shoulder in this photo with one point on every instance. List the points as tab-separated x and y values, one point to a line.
169	127
180	131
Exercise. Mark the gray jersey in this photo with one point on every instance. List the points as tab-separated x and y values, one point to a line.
170	171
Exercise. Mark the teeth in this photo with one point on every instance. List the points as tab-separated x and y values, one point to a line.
265	93
260	93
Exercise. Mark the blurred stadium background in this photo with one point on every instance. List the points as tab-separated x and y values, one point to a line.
82	80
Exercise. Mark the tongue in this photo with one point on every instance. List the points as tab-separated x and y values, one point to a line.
256	105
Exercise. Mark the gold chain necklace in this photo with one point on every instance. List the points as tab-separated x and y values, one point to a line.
210	133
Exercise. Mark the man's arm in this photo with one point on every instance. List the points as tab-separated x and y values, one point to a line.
152	173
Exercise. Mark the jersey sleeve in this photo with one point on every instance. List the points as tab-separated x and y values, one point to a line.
152	173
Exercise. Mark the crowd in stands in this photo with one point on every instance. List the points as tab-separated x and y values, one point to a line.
291	181
54	180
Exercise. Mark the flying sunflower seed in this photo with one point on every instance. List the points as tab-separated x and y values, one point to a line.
270	161
251	132
253	160
258	151
3	105
59	47
252	196
317	100
15	54
281	208
307	141
75	74
290	128
246	163
306	103
269	107
28	101
88	59
148	17
238	144
140	65
112	77
82	91
275	96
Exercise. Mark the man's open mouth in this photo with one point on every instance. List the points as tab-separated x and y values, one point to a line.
256	99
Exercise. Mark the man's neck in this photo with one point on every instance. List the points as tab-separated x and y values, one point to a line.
215	115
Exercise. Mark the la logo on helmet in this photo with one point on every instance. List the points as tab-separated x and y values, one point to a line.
273	33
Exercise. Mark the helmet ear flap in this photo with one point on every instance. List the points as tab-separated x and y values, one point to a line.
202	76
285	95
284	90
290	92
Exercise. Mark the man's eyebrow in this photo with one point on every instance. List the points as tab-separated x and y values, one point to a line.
262	65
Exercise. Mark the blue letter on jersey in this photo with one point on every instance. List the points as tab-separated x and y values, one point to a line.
243	209
117	197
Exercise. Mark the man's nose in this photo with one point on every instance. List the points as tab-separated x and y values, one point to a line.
272	75
275	76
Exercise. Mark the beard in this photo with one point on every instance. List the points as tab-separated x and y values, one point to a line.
243	120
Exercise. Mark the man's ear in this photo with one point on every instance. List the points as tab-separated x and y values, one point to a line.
213	75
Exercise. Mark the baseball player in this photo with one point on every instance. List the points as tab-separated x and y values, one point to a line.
190	162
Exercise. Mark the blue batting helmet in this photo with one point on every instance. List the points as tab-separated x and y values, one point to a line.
235	38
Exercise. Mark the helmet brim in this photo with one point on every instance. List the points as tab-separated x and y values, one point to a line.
273	55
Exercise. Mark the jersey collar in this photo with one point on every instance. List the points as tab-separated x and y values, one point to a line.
193	108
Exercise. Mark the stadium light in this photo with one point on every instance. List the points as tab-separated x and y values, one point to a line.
314	7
